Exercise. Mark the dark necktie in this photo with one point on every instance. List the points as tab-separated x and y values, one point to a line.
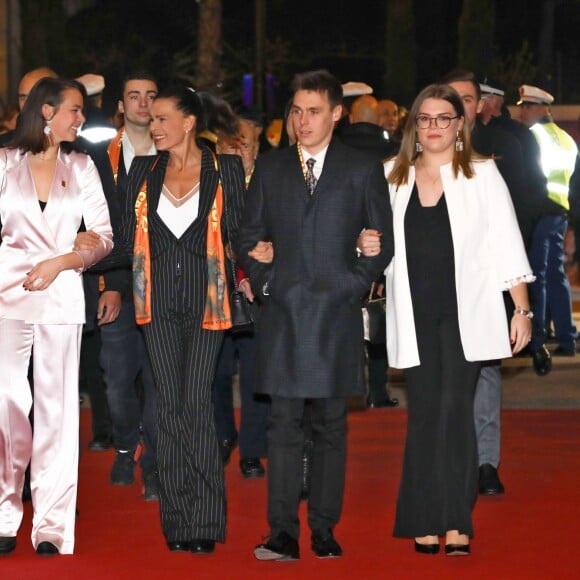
310	179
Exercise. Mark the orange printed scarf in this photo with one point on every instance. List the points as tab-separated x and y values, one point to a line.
217	313
142	260
114	151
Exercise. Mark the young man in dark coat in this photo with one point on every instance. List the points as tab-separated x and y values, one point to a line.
311	201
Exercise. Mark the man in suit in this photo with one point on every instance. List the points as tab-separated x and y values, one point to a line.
311	201
364	132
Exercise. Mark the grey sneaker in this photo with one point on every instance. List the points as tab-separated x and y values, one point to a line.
122	472
151	487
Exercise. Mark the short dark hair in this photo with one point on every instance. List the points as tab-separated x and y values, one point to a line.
320	81
138	75
29	134
460	75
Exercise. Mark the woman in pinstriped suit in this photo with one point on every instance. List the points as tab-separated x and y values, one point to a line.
181	185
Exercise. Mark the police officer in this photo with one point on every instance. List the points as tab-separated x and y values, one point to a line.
550	292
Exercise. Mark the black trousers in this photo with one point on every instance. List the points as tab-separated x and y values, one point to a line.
255	409
191	477
92	382
285	447
377	365
439	482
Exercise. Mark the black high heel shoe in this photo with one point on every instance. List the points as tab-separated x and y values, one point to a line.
430	549
46	549
457	550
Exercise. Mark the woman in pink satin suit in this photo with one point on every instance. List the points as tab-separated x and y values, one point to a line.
46	190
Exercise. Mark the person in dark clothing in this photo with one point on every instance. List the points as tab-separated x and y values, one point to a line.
311	201
181	210
365	134
446	313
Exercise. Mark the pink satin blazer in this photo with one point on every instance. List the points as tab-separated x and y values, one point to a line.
30	235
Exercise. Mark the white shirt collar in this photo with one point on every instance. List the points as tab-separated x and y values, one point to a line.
319	157
129	151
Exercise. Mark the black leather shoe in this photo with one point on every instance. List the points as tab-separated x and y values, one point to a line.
202	546
542	361
226	448
46	549
560	351
324	545
7	545
283	548
101	443
252	467
390	402
489	482
457	550
429	549
179	546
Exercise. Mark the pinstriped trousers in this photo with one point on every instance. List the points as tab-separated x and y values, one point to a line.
191	476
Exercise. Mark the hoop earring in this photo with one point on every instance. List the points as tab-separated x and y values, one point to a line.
458	143
418	147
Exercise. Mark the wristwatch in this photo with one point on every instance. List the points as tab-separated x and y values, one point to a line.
527	313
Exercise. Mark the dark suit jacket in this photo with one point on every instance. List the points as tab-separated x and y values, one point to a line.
116	269
369	138
179	266
535	181
507	153
310	331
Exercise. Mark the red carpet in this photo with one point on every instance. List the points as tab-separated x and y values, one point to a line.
530	532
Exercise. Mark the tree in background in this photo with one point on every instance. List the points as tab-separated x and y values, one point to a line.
208	75
400	78
476	27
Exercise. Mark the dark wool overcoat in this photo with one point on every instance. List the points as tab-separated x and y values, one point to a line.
310	330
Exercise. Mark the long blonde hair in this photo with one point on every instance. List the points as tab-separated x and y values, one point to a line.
408	153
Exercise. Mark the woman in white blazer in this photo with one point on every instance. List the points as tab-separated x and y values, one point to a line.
46	190
457	247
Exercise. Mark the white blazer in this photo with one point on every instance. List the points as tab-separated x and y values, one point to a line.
489	258
30	235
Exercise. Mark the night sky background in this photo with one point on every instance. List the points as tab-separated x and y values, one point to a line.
348	38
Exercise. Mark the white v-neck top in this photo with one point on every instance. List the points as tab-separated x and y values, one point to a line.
178	213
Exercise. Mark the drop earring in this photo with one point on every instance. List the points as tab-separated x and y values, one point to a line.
418	147
46	129
458	143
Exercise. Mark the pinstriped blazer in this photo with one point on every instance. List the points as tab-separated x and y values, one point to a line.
179	266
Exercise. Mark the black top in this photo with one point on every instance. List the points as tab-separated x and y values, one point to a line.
430	257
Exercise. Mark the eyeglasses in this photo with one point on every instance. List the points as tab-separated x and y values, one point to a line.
441	121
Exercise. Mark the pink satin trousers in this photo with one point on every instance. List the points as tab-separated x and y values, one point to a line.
53	446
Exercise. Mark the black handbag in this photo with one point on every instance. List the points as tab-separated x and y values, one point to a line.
374	318
242	313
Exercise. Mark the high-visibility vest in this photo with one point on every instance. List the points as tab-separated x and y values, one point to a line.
558	159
